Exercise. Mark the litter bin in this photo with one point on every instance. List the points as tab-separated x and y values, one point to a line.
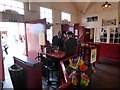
17	75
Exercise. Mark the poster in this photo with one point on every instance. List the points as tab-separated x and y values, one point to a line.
108	22
93	55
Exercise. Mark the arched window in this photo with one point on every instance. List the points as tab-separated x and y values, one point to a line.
47	13
12	5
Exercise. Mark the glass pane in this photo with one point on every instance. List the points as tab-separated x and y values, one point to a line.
22	28
8	2
62	16
21	11
20	5
46	13
49	15
14	9
49	20
41	9
14	3
66	16
49	11
2	1
2	7
49	35
69	18
7	7
42	15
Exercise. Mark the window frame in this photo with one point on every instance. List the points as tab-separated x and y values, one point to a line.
49	32
19	8
64	15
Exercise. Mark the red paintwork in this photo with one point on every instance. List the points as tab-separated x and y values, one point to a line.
110	51
43	21
98	46
83	33
65	27
32	40
33	74
58	54
65	80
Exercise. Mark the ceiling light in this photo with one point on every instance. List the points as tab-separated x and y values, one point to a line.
106	5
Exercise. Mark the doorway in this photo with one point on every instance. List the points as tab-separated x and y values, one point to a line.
13	34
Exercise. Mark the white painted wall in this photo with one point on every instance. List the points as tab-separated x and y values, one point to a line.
97	10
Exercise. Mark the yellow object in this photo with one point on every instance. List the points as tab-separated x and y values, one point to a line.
70	60
80	62
74	79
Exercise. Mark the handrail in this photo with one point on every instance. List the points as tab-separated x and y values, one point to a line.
67	78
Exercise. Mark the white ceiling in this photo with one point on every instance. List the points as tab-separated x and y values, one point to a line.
81	5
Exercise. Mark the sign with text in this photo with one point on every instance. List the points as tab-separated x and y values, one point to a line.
108	22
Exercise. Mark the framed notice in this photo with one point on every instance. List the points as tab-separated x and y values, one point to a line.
108	22
93	55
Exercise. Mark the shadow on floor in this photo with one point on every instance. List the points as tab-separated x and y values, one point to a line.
107	75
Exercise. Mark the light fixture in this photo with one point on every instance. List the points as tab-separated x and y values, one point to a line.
106	5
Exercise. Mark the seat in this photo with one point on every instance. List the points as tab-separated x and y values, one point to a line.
49	68
53	72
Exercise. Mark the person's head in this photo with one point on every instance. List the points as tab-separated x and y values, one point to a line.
69	34
59	33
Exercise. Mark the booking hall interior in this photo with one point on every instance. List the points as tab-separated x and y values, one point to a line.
28	58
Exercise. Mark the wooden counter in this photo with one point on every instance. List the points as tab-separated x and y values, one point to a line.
32	69
110	51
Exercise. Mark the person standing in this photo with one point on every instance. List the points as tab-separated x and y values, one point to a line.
4	45
70	45
58	41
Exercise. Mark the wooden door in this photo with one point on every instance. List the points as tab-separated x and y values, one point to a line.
87	35
82	34
33	28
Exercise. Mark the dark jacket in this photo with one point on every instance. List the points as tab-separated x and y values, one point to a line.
70	47
59	42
